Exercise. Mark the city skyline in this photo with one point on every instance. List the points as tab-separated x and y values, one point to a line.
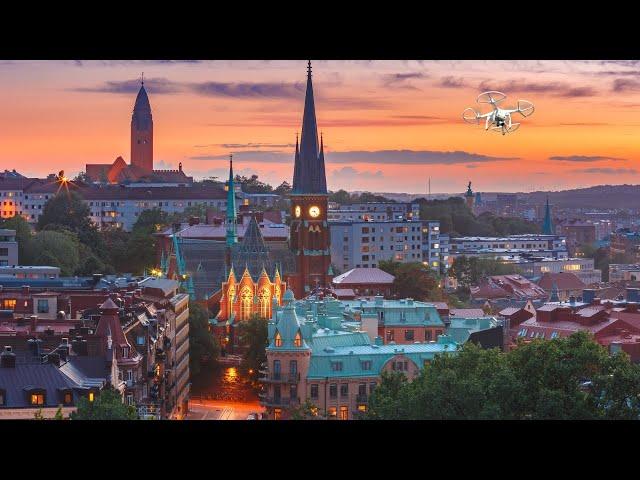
388	125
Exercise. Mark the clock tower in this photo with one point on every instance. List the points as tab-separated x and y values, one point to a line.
309	237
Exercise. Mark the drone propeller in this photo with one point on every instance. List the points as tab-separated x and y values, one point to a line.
492	96
471	116
525	108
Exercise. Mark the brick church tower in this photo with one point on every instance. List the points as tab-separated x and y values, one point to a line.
309	237
142	133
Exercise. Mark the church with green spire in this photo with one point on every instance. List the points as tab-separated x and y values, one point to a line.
547	224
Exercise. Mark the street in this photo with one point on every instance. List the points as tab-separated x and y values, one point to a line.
221	409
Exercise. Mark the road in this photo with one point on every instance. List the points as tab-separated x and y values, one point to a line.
221	410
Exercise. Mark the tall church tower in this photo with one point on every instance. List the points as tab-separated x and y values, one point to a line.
142	133
309	237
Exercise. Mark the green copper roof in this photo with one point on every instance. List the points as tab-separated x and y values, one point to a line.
461	328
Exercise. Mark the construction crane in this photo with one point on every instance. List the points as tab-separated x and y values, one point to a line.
186	281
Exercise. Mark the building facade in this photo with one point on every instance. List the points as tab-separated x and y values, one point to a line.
8	248
375	211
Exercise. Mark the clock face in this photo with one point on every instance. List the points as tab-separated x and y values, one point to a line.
314	211
297	211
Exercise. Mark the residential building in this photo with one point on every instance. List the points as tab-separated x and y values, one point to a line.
553	246
29	271
8	248
365	282
512	286
564	284
375	211
625	242
363	244
624	272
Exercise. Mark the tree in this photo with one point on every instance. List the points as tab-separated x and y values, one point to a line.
106	406
306	411
469	270
55	249
59	415
253	185
283	189
253	336
566	378
203	347
413	280
142	244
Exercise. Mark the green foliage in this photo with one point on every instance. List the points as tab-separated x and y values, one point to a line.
544	379
456	218
253	185
346	198
306	411
142	244
59	415
253	335
55	249
283	189
413	280
203	347
106	406
199	210
602	258
38	415
469	270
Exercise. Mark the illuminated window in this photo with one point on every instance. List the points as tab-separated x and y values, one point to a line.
297	341
9	304
362	408
91	396
68	398
277	414
344	413
245	303
264	303
332	412
278	340
37	399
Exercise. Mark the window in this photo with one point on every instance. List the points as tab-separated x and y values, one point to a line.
246	300
333	390
293	391
43	305
427	335
277	414
125	352
91	396
332	412
276	369
293	367
336	366
344	389
130	399
9	304
362	389
362	408
344	413
365	365
408	335
390	335
297	341
36	399
554	334
372	387
2	397
278	340
140	341
67	398
314	390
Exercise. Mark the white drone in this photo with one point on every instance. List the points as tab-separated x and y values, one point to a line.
499	119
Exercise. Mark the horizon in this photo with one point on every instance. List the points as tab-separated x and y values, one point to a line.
388	126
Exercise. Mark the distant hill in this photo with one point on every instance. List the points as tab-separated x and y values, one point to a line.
599	196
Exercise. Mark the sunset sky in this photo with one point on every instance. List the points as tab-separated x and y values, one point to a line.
388	125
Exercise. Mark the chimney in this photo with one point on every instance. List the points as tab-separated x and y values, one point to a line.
54	358
633	294
588	294
7	358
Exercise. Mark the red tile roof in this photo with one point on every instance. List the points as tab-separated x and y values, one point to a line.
564	280
467	312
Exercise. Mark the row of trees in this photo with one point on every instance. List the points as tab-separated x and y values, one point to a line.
572	378
469	270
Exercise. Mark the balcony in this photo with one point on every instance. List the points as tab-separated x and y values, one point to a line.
362	398
281	378
280	402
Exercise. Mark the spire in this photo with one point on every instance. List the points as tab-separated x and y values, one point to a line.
232	234
547	225
253	241
469	191
554	293
309	173
142	79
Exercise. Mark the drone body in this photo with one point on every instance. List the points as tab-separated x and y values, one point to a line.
498	119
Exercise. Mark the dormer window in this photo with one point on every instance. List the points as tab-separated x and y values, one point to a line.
3	397
125	352
297	341
37	398
67	397
277	340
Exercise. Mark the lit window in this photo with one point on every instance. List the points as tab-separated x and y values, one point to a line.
37	399
91	396
277	414
278	340
68	398
332	412
362	408
297	341
344	413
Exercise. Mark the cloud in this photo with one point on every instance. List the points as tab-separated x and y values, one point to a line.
585	158
558	89
256	145
350	173
381	157
249	90
112	63
625	85
609	171
452	82
155	85
399	80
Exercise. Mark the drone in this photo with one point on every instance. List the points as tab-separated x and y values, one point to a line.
498	119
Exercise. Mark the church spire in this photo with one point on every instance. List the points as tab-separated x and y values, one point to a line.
232	234
547	225
309	173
